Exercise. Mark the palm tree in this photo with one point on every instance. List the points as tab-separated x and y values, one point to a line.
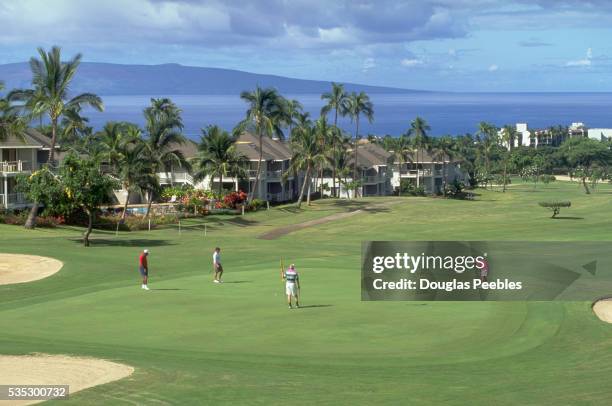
402	153
507	137
113	139
444	149
163	127
51	79
218	157
294	112
489	138
337	100
341	157
418	130
11	123
74	127
134	172
265	115
307	155
358	104
325	135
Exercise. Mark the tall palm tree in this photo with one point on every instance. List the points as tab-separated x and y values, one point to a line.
337	100
307	156
133	170
418	131
489	138
325	134
358	104
342	158
444	150
402	151
218	157
265	115
163	127
507	137
51	79
293	111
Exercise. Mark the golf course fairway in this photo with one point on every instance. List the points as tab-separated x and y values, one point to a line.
194	342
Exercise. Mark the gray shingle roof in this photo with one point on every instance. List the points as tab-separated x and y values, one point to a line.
31	138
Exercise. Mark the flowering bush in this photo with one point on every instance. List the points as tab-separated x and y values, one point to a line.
233	199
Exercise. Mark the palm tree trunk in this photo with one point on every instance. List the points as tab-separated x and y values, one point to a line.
125	206
31	220
87	233
53	139
334	191
150	198
301	197
586	187
505	174
308	195
256	187
220	184
355	157
445	169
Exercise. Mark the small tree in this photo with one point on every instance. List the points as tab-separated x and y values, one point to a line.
85	187
42	187
555	206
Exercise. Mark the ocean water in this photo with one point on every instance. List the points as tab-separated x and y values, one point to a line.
446	113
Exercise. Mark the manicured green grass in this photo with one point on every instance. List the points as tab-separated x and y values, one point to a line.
195	342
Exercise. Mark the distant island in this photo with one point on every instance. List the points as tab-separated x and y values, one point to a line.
174	79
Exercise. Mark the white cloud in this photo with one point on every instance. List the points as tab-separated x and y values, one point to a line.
368	63
411	62
582	62
493	68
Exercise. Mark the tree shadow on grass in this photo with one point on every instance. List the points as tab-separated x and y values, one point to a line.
121	242
291	209
237	282
168	289
568	218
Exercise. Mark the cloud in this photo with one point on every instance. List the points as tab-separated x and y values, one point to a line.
368	64
493	68
411	62
585	62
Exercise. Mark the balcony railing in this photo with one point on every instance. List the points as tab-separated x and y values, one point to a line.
12	199
280	196
15	166
373	179
274	174
177	177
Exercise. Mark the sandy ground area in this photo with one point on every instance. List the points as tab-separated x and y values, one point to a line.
603	310
26	268
41	369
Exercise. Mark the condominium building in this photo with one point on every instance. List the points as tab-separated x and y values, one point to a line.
20	155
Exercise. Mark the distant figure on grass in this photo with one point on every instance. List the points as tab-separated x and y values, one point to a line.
292	285
217	265
143	268
484	271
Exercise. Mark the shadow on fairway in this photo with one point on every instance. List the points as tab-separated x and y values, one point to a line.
315	305
568	218
238	282
168	289
120	242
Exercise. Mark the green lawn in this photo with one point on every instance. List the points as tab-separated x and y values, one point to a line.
195	342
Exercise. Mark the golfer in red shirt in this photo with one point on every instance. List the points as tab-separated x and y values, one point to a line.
143	268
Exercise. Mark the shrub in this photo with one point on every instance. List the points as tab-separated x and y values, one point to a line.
555	206
546	179
257	204
233	199
409	188
455	190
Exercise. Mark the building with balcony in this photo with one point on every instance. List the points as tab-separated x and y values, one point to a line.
428	171
20	155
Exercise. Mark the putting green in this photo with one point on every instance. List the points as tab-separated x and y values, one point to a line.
195	342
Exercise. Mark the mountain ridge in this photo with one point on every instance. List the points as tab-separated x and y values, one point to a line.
110	79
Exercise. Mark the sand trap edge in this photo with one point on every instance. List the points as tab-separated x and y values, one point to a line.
24	268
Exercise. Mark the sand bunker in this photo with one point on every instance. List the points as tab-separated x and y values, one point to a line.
603	309
41	369
26	268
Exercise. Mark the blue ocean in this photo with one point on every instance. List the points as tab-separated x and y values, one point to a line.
446	113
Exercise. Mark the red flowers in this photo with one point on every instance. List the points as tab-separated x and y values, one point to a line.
233	199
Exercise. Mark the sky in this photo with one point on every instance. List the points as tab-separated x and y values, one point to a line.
445	45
